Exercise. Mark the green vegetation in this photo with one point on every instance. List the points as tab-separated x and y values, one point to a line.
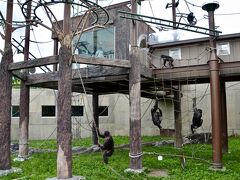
43	165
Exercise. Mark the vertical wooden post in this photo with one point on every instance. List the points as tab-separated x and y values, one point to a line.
24	96
95	124
178	117
177	97
6	93
135	97
224	118
55	52
64	125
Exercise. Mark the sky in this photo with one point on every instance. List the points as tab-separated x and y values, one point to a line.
226	18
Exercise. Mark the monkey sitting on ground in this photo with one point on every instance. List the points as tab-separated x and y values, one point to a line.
166	59
196	120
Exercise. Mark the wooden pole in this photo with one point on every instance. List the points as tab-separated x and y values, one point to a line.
134	98
95	124
24	96
178	117
177	97
64	125
55	52
6	93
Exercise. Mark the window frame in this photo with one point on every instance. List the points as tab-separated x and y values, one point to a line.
48	116
219	44
101	111
18	113
82	111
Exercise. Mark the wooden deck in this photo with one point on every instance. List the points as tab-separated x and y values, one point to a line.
109	77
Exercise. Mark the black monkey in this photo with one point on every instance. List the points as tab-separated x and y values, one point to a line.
156	113
196	120
166	59
107	146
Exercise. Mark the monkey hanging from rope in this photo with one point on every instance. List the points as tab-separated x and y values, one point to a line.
197	115
156	113
166	59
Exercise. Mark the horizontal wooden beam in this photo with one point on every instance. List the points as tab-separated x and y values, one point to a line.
197	72
33	63
101	61
19	75
84	73
42	78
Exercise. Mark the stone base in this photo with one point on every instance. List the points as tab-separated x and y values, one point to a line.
72	178
223	169
21	158
10	171
134	171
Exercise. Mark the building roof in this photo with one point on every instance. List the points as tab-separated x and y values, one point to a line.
193	41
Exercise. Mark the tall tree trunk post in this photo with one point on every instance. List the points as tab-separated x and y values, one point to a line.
135	98
178	117
64	125
95	125
55	52
6	93
24	96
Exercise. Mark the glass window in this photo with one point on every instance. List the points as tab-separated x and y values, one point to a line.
98	43
77	110
175	53
48	111
15	111
223	48
103	110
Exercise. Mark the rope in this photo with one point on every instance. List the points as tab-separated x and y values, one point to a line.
137	155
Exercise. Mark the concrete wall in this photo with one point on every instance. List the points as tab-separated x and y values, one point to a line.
117	121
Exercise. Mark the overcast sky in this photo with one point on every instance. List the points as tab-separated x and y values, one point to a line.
227	18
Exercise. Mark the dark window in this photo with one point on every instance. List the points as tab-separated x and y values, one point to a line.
15	111
77	110
48	111
103	110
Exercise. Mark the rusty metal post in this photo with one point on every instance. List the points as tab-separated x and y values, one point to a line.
55	52
135	98
224	117
64	125
6	93
24	95
215	90
95	118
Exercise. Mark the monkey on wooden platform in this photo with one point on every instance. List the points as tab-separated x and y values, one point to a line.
166	59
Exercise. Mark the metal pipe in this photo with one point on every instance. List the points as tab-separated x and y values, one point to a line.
215	90
224	118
